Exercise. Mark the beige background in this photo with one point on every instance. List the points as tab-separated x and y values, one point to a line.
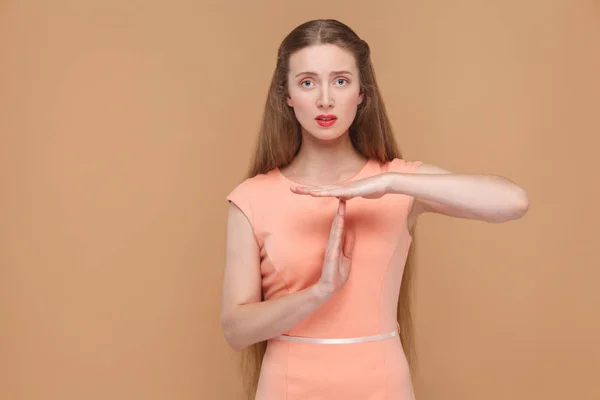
124	124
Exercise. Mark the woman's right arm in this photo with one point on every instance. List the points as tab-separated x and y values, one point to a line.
246	319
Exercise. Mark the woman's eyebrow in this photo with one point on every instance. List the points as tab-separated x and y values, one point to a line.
332	73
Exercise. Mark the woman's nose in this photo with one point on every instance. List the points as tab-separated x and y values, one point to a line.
325	100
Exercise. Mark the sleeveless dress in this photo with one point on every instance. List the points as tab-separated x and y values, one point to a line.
292	232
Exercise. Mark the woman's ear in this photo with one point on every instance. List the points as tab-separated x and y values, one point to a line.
361	97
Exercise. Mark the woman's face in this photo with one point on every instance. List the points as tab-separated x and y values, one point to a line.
324	90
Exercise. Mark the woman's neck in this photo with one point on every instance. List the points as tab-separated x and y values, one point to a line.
323	162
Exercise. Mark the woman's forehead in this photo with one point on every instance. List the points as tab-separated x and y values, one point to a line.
322	59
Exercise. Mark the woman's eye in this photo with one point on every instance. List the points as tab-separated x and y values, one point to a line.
339	82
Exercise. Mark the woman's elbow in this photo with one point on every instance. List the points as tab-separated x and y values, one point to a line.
514	209
230	333
520	204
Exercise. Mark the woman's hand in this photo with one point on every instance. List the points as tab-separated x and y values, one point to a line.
338	255
373	187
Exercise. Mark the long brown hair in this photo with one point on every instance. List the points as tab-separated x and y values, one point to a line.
280	139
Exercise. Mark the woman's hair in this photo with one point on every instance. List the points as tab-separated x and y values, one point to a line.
280	139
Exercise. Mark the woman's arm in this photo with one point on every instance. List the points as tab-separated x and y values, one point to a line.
488	198
246	319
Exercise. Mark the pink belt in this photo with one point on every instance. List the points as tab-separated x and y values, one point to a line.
360	339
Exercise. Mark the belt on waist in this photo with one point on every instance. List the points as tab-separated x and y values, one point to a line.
360	339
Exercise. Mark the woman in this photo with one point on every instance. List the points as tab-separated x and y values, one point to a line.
318	233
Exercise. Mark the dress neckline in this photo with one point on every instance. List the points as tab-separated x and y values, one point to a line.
296	183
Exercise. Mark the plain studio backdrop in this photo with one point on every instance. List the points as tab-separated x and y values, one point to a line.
124	124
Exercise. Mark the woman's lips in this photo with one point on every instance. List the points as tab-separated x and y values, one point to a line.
326	120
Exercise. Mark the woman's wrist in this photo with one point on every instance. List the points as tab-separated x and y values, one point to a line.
393	182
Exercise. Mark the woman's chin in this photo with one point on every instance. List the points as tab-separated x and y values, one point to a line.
326	135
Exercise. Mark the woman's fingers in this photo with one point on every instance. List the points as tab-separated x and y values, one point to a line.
332	276
339	228
334	224
322	191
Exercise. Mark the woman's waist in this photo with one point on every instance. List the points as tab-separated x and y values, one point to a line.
339	340
344	362
340	334
339	325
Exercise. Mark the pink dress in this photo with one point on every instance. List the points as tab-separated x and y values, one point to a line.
292	232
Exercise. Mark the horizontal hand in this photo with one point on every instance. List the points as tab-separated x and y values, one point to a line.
373	187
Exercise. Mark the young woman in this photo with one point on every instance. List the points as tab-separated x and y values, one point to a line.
318	234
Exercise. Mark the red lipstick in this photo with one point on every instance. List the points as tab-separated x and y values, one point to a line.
326	120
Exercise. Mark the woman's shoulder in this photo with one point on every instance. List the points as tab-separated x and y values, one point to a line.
255	185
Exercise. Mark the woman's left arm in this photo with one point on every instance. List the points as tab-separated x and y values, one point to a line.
488	198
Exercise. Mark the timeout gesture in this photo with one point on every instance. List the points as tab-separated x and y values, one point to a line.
338	254
373	187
